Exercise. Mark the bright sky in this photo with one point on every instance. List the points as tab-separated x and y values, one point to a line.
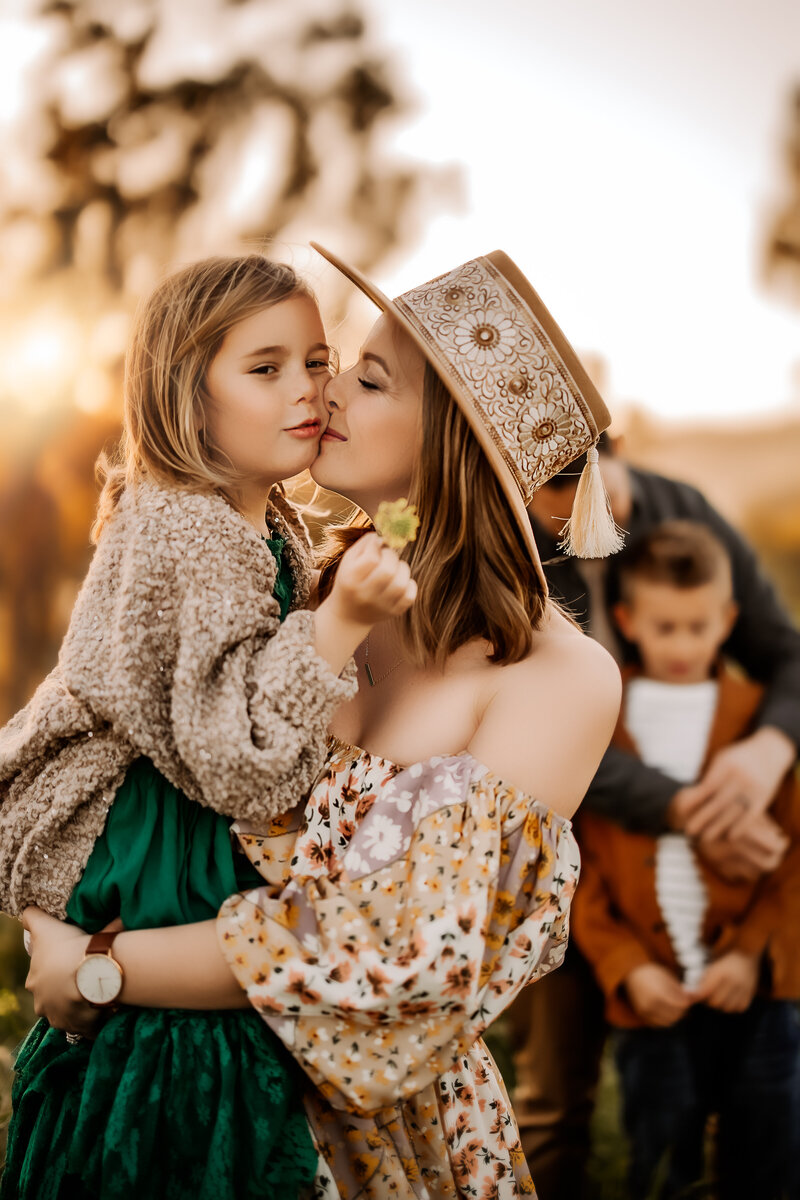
624	153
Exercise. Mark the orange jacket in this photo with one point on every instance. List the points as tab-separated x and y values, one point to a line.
616	920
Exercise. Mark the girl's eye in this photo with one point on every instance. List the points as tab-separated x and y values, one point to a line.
319	364
264	369
371	387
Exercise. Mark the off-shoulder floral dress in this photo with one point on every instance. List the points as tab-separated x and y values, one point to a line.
402	912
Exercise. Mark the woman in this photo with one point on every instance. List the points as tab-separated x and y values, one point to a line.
431	876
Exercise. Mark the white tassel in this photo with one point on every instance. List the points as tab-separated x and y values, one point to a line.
591	531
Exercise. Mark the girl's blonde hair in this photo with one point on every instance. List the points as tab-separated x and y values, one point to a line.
474	573
176	334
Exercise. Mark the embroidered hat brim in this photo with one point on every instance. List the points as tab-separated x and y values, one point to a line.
508	366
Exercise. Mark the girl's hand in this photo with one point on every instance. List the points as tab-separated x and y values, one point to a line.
656	995
371	583
56	948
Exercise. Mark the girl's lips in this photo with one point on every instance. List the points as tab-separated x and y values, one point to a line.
309	429
332	435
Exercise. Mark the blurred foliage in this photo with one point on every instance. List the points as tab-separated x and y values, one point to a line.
164	129
783	232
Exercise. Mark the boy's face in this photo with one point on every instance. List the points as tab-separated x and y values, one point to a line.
677	631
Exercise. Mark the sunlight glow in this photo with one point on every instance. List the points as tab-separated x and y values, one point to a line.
39	360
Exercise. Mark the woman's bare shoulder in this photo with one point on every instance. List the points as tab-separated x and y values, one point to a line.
560	645
551	716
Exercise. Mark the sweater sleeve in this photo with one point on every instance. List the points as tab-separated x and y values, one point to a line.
250	717
176	642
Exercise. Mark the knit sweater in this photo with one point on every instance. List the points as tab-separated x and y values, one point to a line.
175	651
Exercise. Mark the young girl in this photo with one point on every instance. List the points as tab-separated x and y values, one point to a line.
192	688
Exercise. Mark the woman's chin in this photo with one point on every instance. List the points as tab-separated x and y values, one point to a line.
325	475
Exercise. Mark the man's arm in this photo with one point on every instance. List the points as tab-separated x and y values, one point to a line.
644	800
628	792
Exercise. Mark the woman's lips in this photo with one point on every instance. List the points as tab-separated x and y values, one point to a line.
309	429
332	435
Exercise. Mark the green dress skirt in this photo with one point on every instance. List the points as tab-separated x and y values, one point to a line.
177	1104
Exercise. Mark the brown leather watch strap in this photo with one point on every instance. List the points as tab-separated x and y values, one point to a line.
100	943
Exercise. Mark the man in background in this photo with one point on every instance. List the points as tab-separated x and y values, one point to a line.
558	1025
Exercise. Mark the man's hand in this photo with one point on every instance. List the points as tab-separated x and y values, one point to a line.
741	780
656	995
746	859
730	983
56	948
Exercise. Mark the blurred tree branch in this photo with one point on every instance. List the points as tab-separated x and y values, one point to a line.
163	129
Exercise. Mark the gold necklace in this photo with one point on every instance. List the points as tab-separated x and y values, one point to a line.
368	670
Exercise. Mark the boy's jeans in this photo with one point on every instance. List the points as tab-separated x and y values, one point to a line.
742	1066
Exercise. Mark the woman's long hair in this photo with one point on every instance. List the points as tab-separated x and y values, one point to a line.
177	332
473	569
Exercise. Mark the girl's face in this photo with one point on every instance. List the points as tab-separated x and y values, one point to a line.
368	451
265	385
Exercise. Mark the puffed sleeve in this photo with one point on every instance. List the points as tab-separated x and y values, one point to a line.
453	893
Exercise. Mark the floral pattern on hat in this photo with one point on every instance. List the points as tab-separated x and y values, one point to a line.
499	356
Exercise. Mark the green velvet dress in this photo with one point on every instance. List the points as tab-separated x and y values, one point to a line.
177	1104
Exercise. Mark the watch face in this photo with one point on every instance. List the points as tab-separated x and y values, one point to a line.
99	979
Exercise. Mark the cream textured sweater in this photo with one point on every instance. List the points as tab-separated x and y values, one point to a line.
175	650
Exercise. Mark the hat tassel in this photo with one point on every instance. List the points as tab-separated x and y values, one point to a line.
591	531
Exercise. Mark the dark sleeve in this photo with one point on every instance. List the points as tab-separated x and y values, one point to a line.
764	641
633	795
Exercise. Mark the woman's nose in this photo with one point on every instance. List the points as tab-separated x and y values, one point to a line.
330	394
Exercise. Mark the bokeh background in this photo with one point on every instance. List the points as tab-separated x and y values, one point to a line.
640	162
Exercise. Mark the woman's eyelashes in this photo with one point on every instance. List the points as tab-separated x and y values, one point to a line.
368	384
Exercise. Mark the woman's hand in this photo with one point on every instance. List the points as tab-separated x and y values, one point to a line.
56	949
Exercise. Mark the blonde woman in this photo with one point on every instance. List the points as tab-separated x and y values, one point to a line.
428	877
191	689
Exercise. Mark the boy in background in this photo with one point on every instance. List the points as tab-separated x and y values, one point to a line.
698	972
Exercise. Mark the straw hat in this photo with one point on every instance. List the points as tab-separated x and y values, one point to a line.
508	366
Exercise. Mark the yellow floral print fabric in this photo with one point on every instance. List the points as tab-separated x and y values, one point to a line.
401	913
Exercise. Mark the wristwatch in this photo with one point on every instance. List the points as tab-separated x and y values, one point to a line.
99	977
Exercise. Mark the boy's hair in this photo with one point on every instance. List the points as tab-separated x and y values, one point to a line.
683	554
176	334
474	573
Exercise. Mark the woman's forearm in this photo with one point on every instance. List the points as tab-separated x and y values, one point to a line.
177	967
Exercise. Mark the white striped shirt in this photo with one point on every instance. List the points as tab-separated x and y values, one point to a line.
670	726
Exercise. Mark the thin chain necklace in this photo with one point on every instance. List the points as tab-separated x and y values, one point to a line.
368	670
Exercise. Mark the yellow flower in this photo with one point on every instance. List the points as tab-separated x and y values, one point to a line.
397	523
